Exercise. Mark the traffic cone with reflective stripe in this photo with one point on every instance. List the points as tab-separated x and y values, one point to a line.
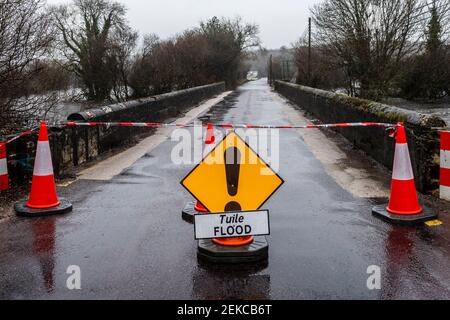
200	208
193	208
210	138
43	199
4	185
403	203
403	198
43	188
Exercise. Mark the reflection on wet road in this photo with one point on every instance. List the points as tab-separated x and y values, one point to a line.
129	240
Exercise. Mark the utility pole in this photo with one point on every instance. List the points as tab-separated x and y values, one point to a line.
287	71
309	51
270	71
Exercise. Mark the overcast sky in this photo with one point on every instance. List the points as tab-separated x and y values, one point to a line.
281	21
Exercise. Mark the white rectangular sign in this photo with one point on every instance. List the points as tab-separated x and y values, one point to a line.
231	224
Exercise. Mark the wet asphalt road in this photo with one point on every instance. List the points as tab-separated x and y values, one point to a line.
130	242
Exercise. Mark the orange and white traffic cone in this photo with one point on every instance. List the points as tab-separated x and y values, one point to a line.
43	188
43	199
403	204
210	138
193	208
403	198
4	185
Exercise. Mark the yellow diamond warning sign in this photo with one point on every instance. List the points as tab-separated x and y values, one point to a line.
232	177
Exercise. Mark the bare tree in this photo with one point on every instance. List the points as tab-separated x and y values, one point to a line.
26	36
324	71
213	52
122	47
369	38
191	60
427	75
143	69
90	31
229	40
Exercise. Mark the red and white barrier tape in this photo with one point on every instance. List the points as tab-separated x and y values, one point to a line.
21	135
226	126
222	125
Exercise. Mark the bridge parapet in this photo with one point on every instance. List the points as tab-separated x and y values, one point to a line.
73	146
330	107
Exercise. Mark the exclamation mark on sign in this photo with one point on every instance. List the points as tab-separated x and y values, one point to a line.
232	167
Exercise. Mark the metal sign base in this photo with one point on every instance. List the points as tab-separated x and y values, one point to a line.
258	251
426	215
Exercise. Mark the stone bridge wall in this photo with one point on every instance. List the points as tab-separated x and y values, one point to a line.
329	107
73	146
